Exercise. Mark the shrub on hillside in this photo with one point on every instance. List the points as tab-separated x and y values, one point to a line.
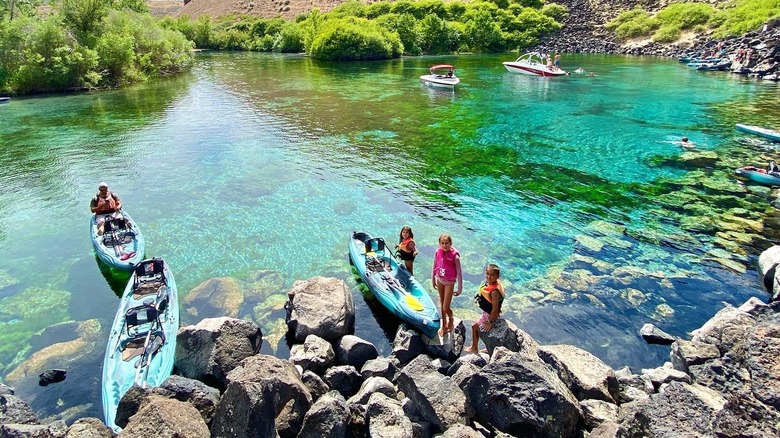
667	34
685	15
342	40
745	16
405	26
289	40
631	24
482	34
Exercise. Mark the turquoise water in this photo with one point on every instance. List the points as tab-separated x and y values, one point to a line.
258	163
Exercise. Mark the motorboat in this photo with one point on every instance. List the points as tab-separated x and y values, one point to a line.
441	76
760	176
532	64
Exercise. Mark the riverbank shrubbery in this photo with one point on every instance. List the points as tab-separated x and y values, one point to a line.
84	44
357	31
668	24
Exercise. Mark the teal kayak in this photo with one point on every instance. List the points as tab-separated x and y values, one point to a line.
121	245
142	343
392	284
762	132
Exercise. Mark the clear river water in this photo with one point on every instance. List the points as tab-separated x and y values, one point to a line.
259	166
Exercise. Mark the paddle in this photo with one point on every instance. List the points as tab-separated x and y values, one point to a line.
410	300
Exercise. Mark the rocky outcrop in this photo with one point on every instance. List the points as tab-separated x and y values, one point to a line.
723	382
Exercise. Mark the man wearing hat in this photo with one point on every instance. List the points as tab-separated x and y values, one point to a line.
105	205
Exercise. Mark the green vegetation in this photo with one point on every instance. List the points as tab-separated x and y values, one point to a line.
84	43
733	18
357	31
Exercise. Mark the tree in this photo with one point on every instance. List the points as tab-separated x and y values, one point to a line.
84	16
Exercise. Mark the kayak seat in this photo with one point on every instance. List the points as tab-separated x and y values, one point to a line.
138	346
149	271
141	319
378	264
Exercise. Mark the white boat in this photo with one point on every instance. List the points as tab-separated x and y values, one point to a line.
531	64
441	76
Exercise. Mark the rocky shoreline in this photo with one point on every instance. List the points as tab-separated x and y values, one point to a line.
723	382
584	32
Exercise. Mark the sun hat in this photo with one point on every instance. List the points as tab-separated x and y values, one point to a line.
103	184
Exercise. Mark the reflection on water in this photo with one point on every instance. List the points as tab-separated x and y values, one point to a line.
116	278
264	164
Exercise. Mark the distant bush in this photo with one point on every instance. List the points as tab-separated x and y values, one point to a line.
685	15
342	40
667	34
555	11
631	24
290	39
732	18
746	16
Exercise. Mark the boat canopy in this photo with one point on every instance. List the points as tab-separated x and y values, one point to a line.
442	66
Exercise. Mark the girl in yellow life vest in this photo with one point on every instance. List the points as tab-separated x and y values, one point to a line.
407	249
489	298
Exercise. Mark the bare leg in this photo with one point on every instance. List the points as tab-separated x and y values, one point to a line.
409	265
474	339
446	309
443	328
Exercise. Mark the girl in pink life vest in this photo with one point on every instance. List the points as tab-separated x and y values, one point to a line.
446	270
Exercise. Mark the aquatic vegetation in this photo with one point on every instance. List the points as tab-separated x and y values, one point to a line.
24	314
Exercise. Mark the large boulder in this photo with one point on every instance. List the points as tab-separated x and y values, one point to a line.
328	417
523	397
15	410
586	375
725	329
89	427
57	429
166	418
763	360
386	418
506	334
320	306
680	410
213	298
315	354
352	350
767	265
264	396
215	346
436	397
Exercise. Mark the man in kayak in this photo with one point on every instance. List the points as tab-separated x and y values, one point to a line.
106	205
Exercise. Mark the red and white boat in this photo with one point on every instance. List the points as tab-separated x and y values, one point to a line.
532	64
441	76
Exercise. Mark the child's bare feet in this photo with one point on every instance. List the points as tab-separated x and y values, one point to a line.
470	350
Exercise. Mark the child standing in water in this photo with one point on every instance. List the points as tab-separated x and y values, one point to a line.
490	297
446	270
407	249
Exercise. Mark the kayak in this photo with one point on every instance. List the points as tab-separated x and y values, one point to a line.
759	176
757	130
142	344
120	246
5	99
392	284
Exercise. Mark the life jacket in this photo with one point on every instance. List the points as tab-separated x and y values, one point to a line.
444	264
404	246
483	297
110	199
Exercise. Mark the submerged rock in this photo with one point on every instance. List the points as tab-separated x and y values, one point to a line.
51	376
